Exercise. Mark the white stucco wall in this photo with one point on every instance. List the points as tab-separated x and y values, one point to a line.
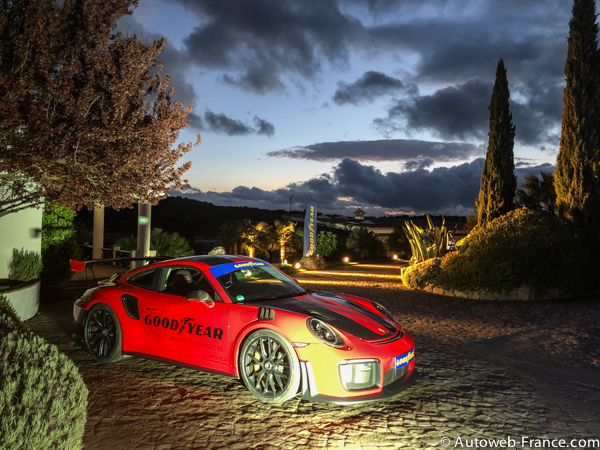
19	230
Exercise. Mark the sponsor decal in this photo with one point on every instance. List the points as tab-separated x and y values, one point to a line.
223	269
186	325
310	230
403	360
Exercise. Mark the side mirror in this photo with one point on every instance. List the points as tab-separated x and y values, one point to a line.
200	296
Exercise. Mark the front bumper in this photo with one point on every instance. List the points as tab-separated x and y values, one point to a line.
310	392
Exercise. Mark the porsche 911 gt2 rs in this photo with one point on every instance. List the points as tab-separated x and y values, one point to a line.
242	317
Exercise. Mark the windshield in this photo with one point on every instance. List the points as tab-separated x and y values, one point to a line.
258	283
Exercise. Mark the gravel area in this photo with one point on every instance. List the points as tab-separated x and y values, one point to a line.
489	370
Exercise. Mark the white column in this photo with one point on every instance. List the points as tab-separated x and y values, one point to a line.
143	240
98	233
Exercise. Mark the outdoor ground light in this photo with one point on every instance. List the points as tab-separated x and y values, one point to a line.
346	259
395	256
297	266
285	262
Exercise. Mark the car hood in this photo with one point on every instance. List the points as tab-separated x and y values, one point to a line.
340	312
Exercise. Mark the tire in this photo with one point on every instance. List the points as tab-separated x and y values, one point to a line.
269	367
102	334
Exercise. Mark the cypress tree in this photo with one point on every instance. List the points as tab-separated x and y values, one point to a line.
498	181
576	177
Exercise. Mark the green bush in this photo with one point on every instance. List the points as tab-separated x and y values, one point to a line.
24	265
326	243
43	399
421	274
165	244
57	226
523	247
59	244
9	320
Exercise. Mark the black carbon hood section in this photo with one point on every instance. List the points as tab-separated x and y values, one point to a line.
339	321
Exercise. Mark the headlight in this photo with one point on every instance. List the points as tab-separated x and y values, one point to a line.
324	333
383	310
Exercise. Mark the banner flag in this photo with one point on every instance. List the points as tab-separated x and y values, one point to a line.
310	230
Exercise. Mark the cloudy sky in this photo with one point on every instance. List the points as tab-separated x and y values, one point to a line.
378	104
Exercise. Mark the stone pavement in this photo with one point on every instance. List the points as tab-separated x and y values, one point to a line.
489	370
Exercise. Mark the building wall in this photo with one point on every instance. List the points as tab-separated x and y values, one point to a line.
19	230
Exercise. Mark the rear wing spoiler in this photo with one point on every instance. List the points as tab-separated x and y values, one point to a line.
80	266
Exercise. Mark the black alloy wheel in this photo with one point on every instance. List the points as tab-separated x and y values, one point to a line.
102	334
269	367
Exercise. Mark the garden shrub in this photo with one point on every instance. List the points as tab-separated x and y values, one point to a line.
24	265
165	244
9	320
523	247
43	399
419	275
59	244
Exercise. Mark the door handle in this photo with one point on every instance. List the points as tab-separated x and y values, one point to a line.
156	310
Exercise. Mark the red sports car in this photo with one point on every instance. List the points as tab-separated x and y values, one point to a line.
242	317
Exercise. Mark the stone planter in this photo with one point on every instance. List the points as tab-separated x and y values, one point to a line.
24	298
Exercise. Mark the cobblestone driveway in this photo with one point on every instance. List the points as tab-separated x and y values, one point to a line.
488	370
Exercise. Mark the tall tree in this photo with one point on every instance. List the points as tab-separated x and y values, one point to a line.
498	181
86	115
577	164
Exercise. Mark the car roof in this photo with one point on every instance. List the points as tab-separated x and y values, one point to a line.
217	260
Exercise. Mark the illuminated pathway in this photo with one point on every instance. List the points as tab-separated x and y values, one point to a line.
489	370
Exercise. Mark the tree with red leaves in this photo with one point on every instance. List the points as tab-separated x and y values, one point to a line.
86	115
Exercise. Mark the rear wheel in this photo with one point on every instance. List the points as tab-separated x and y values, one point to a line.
269	367
102	334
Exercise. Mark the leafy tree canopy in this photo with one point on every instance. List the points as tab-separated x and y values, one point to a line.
86	115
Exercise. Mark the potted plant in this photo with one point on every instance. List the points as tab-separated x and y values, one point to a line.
22	288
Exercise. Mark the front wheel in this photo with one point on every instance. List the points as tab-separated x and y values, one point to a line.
102	334
269	367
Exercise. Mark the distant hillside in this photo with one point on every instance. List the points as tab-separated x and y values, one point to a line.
185	216
191	218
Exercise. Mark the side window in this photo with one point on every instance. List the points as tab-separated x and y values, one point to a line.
181	281
143	279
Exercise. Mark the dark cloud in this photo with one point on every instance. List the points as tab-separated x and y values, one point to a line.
445	190
220	123
367	88
461	112
383	150
456	112
418	164
264	127
261	40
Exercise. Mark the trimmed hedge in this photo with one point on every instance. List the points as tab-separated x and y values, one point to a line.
421	274
523	247
43	399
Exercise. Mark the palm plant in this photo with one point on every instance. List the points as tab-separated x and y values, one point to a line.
536	193
365	242
284	232
230	236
